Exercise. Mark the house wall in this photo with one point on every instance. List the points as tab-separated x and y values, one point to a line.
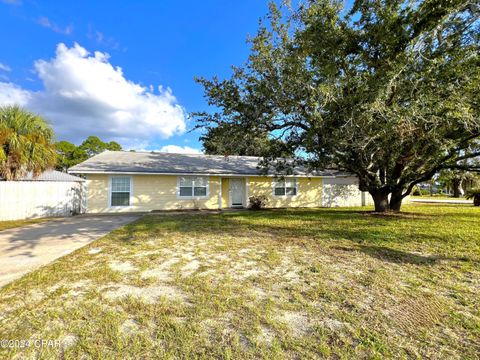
225	192
309	192
149	192
159	192
344	192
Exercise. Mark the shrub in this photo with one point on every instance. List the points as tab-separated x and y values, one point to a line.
475	195
424	192
257	202
416	191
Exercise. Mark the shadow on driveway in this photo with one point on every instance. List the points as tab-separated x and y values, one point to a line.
27	248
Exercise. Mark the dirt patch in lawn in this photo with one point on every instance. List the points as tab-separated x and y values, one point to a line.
122	266
149	294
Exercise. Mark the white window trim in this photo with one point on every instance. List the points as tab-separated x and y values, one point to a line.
220	194
193	185
284	196
130	200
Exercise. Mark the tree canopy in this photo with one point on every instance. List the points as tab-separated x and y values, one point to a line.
386	90
234	140
69	154
25	143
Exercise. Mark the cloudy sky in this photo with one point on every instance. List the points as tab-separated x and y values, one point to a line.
121	70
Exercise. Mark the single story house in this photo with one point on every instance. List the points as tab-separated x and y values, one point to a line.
123	181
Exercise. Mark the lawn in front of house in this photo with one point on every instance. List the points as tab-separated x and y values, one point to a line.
437	197
269	284
8	224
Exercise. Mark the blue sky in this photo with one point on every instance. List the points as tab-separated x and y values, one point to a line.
155	43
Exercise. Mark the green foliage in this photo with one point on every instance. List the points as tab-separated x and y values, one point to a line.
25	143
475	195
388	91
257	202
416	191
234	140
70	155
93	146
454	179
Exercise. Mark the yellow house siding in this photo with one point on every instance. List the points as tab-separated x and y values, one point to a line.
309	192
149	192
225	193
97	193
159	192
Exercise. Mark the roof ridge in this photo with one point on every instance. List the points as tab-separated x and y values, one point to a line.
171	153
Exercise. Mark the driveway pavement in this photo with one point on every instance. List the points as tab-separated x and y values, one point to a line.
442	201
27	248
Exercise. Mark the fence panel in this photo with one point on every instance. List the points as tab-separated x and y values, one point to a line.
30	199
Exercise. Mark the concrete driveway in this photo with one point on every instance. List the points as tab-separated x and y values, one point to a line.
27	248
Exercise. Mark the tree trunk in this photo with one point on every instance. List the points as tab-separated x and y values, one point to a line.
396	200
456	188
380	199
476	200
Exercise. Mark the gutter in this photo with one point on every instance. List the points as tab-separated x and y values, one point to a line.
197	174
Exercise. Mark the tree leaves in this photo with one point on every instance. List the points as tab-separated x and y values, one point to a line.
25	143
70	155
389	92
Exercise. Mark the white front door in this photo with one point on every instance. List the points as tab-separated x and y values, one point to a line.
237	192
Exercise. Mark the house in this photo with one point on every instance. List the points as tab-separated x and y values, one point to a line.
121	181
52	193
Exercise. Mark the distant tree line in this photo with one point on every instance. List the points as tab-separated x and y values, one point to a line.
69	154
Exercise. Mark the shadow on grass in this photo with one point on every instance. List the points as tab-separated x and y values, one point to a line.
390	255
399	256
371	233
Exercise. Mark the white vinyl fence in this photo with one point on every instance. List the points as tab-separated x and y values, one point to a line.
344	192
31	199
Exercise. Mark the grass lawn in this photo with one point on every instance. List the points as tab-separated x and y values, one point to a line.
334	283
438	197
19	223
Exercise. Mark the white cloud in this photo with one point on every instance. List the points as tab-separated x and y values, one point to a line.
47	23
5	67
13	94
179	149
85	95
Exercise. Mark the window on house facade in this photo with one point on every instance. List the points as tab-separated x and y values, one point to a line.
192	186
120	191
285	187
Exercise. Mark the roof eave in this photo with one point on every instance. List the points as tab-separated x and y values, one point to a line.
79	171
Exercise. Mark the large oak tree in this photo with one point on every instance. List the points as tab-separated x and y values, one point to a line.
386	90
234	140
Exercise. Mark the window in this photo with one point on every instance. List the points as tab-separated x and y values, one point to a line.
190	186
285	187
120	191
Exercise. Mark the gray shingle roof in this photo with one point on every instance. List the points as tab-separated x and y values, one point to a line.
168	163
51	175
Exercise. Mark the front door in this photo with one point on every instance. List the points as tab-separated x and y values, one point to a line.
237	192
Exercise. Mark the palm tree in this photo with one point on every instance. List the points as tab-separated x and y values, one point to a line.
26	143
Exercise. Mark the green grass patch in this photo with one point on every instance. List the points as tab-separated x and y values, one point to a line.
19	223
298	283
